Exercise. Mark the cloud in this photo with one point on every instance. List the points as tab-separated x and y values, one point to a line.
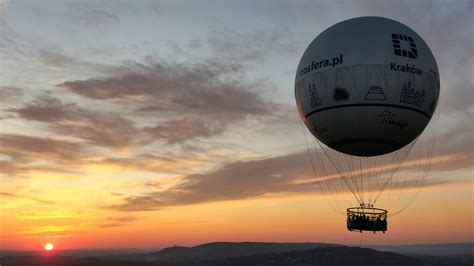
204	87
206	94
28	50
96	18
9	93
30	148
94	127
25	155
48	109
116	221
181	130
13	195
232	181
9	96
106	130
54	58
100	128
248	46
20	168
169	162
247	179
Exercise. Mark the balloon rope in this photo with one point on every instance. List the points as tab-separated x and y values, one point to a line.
314	167
399	162
340	174
430	151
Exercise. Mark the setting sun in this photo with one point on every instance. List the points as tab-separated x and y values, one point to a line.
49	247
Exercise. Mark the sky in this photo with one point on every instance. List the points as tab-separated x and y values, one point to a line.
148	124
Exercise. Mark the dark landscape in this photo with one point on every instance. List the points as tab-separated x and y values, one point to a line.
251	253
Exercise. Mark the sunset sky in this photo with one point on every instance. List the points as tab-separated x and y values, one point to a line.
152	123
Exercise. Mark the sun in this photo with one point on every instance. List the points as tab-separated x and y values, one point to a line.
48	247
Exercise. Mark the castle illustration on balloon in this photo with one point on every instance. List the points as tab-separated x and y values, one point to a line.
314	97
410	96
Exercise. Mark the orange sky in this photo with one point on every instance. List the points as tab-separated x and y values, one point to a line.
292	218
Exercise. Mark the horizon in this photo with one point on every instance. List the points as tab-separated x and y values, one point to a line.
129	125
153	249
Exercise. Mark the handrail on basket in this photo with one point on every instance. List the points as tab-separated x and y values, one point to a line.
365	218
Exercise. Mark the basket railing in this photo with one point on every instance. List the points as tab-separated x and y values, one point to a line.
366	218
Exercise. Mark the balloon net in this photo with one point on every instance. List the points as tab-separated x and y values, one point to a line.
390	181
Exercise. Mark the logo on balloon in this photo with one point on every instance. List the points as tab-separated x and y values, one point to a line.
387	118
397	39
321	64
405	68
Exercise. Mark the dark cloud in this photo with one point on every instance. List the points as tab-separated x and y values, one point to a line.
111	130
100	128
233	181
246	179
25	155
23	147
177	131
106	130
49	109
207	94
204	87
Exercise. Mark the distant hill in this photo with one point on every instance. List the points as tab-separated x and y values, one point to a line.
219	250
321	256
72	261
454	249
327	256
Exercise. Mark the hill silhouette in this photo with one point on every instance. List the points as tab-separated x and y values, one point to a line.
204	255
219	250
449	249
322	256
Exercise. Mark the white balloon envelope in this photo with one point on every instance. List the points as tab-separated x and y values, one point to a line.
367	86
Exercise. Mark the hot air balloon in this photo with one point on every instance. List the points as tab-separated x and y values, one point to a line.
366	89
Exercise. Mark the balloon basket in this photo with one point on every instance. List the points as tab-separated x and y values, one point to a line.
366	218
